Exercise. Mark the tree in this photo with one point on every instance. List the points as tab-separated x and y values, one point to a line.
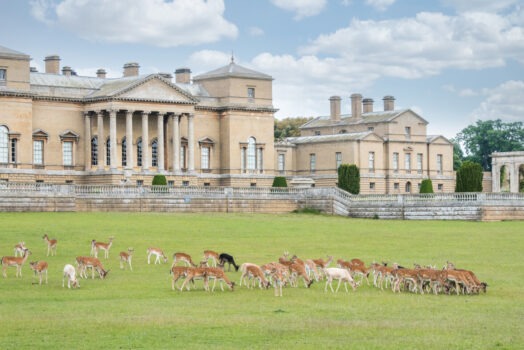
458	155
485	137
289	127
349	178
469	177
279	181
426	186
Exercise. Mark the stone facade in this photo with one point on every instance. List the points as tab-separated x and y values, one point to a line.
507	170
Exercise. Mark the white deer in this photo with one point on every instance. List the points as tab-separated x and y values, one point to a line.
70	274
342	275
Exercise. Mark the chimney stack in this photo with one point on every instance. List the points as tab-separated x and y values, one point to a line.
101	73
52	64
33	70
334	103
389	103
131	69
166	75
67	71
368	105
183	76
356	106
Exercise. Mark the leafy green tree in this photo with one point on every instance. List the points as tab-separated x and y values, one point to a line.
349	178
279	181
469	177
159	180
426	186
289	127
485	137
458	155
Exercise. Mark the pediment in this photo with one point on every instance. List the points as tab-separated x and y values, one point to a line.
39	133
69	135
157	90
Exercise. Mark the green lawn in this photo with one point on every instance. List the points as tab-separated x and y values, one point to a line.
138	310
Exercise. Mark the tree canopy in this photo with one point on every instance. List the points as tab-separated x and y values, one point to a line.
289	127
469	177
483	138
349	178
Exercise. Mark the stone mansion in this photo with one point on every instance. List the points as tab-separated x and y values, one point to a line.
213	129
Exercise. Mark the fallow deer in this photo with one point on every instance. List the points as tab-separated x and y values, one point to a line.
342	275
16	262
51	245
278	278
183	257
19	249
245	274
211	255
178	272
156	252
96	246
85	262
40	268
255	272
217	274
126	257
226	258
194	273
70	274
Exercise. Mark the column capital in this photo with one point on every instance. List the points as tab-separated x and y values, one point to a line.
146	112
112	112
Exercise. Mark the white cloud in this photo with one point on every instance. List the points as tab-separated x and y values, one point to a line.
209	59
502	102
480	5
155	22
256	31
301	8
380	5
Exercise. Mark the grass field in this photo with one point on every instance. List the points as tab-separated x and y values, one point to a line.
138	310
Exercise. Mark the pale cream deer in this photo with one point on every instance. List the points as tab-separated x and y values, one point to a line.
125	258
70	274
51	245
19	248
40	268
14	261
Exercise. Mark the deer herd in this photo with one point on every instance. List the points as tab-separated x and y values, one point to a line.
286	271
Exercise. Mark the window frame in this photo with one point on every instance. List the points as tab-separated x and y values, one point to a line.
38	153
67	154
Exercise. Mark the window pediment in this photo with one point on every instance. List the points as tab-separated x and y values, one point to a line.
40	134
69	135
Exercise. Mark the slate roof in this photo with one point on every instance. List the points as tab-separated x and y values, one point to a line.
346	119
233	70
9	53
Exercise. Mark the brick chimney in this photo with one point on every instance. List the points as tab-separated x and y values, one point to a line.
131	69
52	64
101	73
389	103
334	103
67	71
356	106
183	75
368	105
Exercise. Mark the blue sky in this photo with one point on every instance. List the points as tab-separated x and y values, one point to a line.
452	61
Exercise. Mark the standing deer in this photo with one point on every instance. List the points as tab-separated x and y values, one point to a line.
15	261
96	246
40	268
126	258
51	245
19	248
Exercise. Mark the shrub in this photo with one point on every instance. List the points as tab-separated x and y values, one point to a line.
307	211
349	178
279	181
426	186
469	177
159	180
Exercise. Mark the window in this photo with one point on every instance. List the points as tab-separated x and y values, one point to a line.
338	159
317	132
281	163
185	183
124	152
251	92
38	152
371	185
371	162
396	186
251	154
253	184
419	163
260	159
139	152
94	151
154	153
67	153
13	150
183	157
408	187
140	182
407	164
440	187
4	144
370	128
69	182
395	162
207	184
170	183
108	151
439	164
3	76
343	131
312	162
407	129
204	158
243	159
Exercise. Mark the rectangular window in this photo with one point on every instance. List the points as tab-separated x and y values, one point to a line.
38	152
396	186
312	162
69	182
260	162
439	164
395	162
140	183
407	164
253	184
183	157
281	163
440	187
317	132
370	128
419	163
3	76
243	159
13	151
338	160
250	92
371	185
67	153
185	183
407	129
170	183
204	158
371	162
207	184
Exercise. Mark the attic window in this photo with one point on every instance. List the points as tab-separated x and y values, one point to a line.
251	92
317	132
3	74
370	128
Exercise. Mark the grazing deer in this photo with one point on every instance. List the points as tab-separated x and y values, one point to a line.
96	246
51	245
85	262
40	268
19	249
217	274
342	275
245	274
297	271
15	261
323	264
255	272
355	267
211	255
158	253
70	274
183	257
126	257
178	272
194	273
224	257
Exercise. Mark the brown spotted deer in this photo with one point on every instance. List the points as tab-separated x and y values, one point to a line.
97	246
40	268
19	249
51	245
211	255
126	257
355	267
17	262
402	276
194	273
217	274
87	262
309	265
184	258
156	252
178	272
255	272
279	279
297	271
244	277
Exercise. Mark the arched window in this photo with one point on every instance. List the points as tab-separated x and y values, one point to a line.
251	154
154	153
408	187
124	151
139	152
94	151
108	151
4	144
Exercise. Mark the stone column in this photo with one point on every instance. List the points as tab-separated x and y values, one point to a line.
176	143
101	142
145	141
129	140
112	138
190	143
514	178
495	177
160	132
87	155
